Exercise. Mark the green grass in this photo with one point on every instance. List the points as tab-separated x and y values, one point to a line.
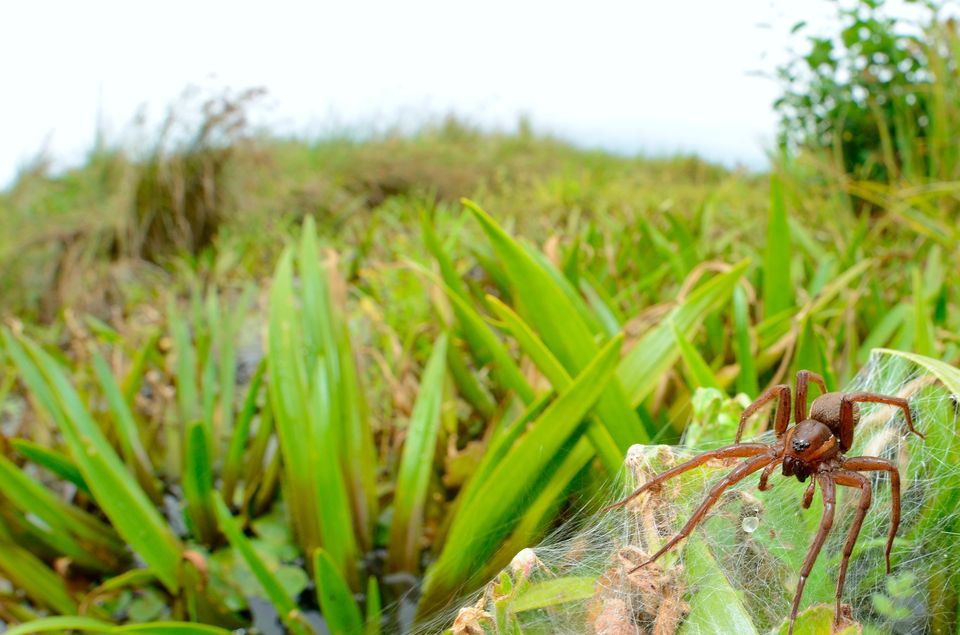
362	375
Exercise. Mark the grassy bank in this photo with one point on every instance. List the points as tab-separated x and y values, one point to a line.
304	371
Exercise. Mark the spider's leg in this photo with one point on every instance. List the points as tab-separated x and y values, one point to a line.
742	450
767	471
846	413
873	464
826	522
780	392
808	495
741	472
851	479
804	377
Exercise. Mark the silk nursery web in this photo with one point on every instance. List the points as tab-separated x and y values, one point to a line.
739	569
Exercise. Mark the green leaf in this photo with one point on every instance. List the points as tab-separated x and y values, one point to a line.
504	369
747	377
559	321
314	485
240	436
374	608
949	375
171	628
61	623
188	397
127	431
777	288
52	460
604	445
699	371
416	465
923	325
63	527
817	620
340	611
553	592
198	485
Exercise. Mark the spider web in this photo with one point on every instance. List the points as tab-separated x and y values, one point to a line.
738	570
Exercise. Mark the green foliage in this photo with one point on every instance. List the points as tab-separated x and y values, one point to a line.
879	94
361	366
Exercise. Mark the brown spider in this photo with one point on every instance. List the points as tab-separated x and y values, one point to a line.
814	446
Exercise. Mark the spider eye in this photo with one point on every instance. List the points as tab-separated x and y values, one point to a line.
800	444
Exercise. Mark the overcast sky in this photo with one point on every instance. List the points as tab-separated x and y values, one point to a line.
647	76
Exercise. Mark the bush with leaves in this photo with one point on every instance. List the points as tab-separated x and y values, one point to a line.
878	94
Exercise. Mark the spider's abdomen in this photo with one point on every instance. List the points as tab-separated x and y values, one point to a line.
826	409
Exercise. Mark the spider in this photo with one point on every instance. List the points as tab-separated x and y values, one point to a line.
813	447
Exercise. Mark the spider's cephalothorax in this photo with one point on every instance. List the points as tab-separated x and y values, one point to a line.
814	447
808	444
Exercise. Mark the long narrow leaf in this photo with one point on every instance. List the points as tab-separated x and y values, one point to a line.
125	504
340	611
416	465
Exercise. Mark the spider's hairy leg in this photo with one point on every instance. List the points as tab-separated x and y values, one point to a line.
742	450
826	522
780	392
847	420
851	479
741	472
874	464
804	377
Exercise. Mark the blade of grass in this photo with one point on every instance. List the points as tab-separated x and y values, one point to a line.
747	381
288	397
326	335
61	623
134	378
468	385
127	431
699	371
240	434
777	290
484	343
604	445
198	485
949	375
923	326
59	464
560	323
121	499
91	625
416	465
374	608
340	611
714	608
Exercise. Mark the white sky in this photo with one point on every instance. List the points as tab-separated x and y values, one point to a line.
655	76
